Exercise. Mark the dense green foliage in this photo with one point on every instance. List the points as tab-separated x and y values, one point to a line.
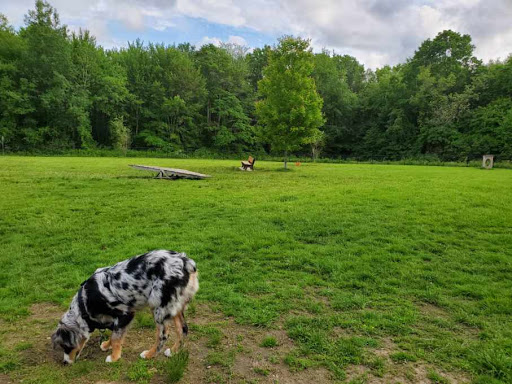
349	259
60	90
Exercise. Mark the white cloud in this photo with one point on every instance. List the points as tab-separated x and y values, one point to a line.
14	10
238	40
388	31
216	11
209	40
377	32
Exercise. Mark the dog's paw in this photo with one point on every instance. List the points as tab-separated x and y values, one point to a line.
143	354
108	359
67	360
168	352
105	346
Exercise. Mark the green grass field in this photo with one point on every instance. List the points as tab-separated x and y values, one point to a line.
352	273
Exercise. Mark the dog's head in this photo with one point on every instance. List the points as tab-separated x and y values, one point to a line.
68	339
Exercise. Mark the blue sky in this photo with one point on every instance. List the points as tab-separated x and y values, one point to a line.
376	32
193	30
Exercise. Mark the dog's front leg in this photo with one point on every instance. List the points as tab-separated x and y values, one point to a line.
81	347
75	353
106	345
116	343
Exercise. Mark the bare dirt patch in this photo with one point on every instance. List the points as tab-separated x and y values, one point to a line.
250	361
236	356
232	355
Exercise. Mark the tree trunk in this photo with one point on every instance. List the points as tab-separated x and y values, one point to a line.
285	159
208	112
137	121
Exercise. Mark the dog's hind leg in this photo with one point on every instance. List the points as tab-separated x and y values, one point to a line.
162	333
183	322
179	327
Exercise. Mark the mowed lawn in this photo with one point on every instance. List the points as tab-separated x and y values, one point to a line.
374	273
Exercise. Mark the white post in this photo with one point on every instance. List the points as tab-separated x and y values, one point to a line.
487	161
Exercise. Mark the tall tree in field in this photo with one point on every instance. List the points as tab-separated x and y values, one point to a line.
290	109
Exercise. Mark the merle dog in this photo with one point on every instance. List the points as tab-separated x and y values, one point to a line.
163	280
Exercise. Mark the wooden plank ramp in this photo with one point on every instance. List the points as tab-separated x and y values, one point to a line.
170	173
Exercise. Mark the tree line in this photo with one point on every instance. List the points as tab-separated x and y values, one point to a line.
61	90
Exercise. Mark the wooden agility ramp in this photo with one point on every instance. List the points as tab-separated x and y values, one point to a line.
170	173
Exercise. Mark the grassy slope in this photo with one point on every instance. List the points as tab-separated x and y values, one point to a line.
346	256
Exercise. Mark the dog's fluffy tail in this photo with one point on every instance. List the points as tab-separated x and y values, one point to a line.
190	265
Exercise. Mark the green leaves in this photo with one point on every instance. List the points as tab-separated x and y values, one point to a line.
60	91
290	109
120	134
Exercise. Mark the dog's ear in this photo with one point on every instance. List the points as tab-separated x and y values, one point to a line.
56	338
63	337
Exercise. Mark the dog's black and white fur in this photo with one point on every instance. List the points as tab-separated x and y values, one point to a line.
163	280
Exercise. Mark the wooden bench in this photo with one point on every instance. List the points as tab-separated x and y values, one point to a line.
249	164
